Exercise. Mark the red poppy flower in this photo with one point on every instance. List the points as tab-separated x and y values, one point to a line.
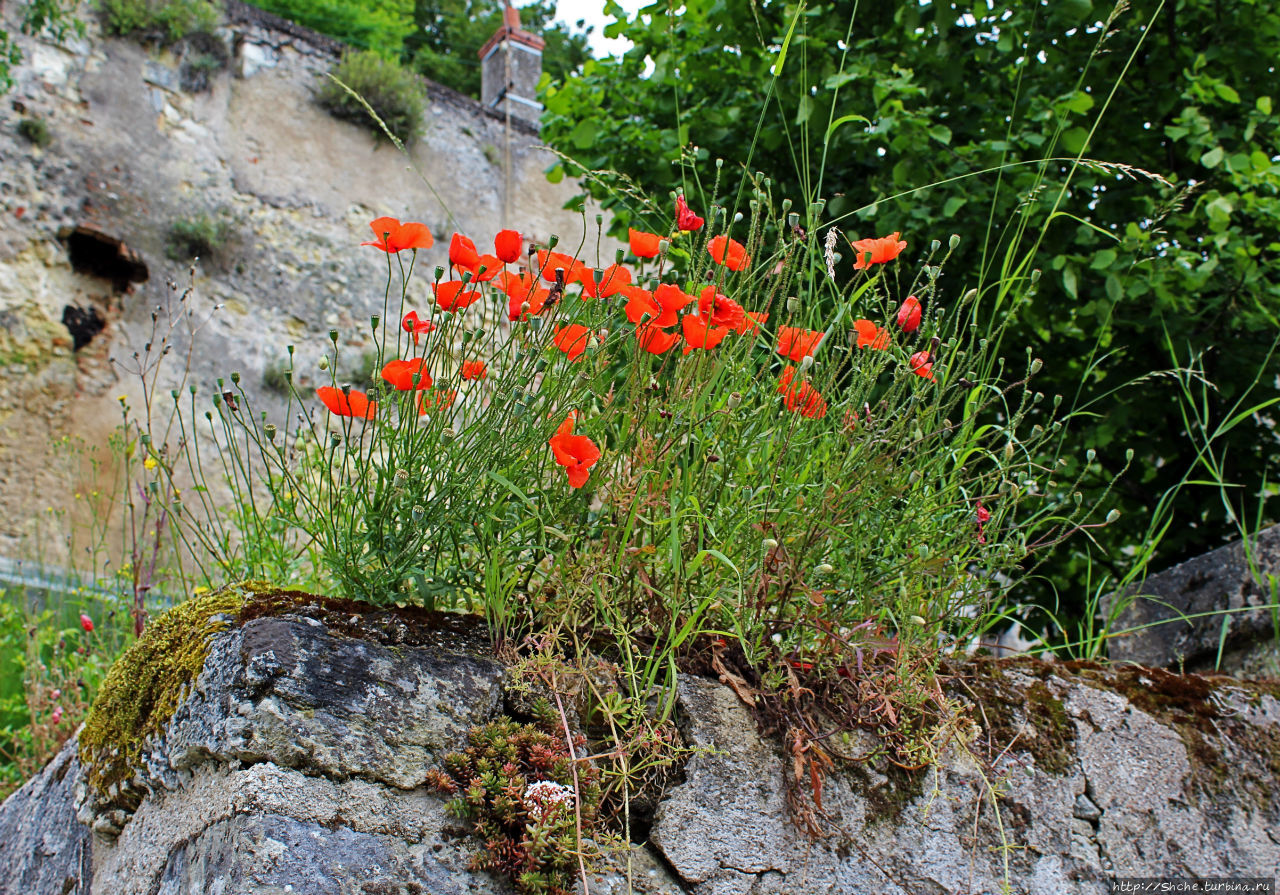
752	321
450	297
436	400
644	244
984	516
474	369
392	236
881	250
577	454
613	279
400	374
700	333
685	218
572	340
463	255
871	336
720	309
508	246
795	343
909	314
87	623
663	305
566	428
803	399
922	364
419	328
655	340
341	404
729	252
549	262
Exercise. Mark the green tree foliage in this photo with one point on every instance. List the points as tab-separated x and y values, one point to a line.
53	18
377	25
1183	90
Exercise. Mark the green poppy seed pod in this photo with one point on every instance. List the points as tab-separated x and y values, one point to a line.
1037	397
222	384
815	210
209	414
954	240
753	204
439	273
445	317
535	323
719	163
324	363
619	255
540	365
402	477
270	431
663	246
806	362
1113	516
235	377
333	336
448	434
217	400
289	348
793	220
334	439
1035	276
769	544
599	219
1077	497
192	389
466	278
1089	455
467	336
1128	455
793	304
825	568
418	512
480	272
153	487
374	320
934	246
145	438
1036	366
553	241
734	400
173	393
786	205
1037	430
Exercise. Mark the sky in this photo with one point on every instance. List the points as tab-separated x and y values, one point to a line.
592	11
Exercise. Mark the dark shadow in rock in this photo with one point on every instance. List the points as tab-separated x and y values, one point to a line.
82	323
97	254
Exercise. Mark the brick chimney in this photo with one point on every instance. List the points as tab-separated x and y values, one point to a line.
510	66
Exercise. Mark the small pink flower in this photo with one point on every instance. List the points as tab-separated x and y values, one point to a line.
983	515
86	623
57	714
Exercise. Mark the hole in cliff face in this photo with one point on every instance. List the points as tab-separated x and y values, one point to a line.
82	323
202	56
97	254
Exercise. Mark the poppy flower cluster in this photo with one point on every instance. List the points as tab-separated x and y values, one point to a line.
576	453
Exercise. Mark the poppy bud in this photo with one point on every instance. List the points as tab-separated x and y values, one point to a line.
374	320
825	569
793	304
270	431
173	393
1008	451
734	400
333	336
1113	516
324	363
970	295
524	309
954	241
806	362
1035	276
445	317
737	217
917	620
719	163
1036	366
663	246
910	314
235	377
934	246
86	623
769	544
1089	455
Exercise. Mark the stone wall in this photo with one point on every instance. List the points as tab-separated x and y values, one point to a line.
132	151
297	764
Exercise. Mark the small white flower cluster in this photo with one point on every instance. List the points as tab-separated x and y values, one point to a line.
543	797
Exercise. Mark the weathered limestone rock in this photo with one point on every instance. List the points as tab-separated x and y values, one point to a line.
295	764
1213	590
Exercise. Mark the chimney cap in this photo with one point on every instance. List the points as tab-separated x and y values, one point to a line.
510	29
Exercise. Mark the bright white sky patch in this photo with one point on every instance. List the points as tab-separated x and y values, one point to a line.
592	13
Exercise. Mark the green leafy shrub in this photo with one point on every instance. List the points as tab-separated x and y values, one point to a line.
170	20
202	236
35	131
393	93
515	784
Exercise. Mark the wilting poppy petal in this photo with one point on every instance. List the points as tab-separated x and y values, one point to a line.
655	340
419	328
795	343
400	373
450	297
720	309
909	314
685	218
699	333
340	403
508	246
643	244
881	250
474	369
572	340
729	252
871	336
